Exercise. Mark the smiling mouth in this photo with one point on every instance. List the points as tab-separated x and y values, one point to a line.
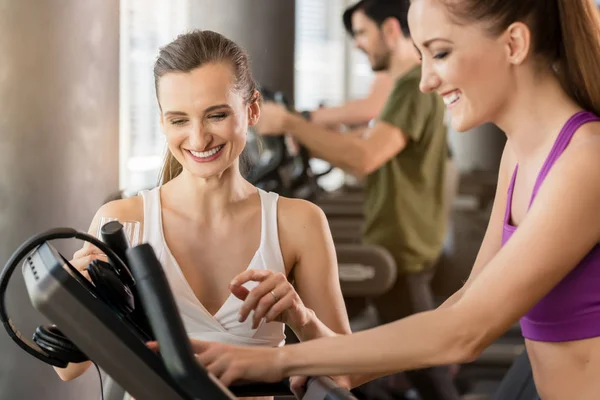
452	97
207	155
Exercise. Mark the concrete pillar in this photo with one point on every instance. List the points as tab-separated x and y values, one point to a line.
264	28
59	96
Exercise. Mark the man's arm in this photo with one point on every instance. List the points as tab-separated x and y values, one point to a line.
360	111
351	153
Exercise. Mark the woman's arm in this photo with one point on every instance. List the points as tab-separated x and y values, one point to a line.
561	227
304	233
550	242
360	111
313	307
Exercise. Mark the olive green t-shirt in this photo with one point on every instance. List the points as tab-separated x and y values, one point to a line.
404	202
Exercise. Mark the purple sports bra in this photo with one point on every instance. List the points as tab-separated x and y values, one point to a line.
571	310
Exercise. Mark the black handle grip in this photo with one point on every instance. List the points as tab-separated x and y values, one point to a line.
259	389
113	235
175	348
317	388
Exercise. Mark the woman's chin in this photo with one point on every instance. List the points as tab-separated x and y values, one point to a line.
461	125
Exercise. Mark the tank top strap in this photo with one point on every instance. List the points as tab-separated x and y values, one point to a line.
269	241
152	217
561	143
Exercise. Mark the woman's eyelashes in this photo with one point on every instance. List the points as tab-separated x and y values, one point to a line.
179	121
217	117
211	117
440	55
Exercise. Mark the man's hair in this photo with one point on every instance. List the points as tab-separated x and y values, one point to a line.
379	11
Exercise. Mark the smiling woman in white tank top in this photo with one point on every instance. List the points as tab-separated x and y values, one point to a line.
229	249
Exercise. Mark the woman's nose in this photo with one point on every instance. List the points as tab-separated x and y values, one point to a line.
429	80
199	137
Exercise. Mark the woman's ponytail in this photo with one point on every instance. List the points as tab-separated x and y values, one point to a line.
579	51
171	168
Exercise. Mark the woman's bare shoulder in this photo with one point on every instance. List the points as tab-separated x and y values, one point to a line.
300	215
131	208
300	223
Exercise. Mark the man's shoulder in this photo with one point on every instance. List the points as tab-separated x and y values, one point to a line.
406	97
409	80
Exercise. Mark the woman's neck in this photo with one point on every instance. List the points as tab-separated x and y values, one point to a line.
534	116
206	200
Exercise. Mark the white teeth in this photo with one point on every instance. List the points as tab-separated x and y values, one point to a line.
452	98
208	153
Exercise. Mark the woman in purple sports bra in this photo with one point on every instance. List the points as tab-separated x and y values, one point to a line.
532	67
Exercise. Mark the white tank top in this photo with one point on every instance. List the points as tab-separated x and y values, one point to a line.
224	326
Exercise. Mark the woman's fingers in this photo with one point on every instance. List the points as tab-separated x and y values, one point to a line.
232	363
87	249
298	386
263	306
260	291
86	275
81	263
152	345
240	292
274	305
256	275
283	305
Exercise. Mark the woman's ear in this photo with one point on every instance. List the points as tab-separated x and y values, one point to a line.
517	42
254	109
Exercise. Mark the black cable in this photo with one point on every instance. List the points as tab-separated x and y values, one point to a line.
101	385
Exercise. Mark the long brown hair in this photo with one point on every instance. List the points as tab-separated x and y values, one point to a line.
565	32
190	51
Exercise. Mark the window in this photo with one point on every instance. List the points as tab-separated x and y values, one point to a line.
361	74
320	53
328	69
145	26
